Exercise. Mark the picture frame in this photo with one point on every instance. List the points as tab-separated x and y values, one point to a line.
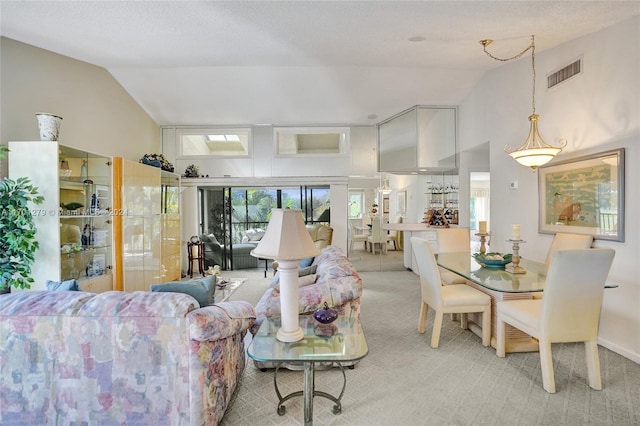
584	195
402	202
385	205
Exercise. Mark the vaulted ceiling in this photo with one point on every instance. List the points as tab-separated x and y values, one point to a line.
293	62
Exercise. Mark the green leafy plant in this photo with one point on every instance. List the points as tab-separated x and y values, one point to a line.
18	243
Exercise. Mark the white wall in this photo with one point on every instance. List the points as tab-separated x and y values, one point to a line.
98	114
596	111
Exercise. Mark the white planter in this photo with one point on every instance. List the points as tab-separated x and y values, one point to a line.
49	125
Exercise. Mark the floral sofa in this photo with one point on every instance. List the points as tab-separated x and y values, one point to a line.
135	358
336	283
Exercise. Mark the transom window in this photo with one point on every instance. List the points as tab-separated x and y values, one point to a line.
214	142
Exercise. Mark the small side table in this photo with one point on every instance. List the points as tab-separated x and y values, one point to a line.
338	342
198	256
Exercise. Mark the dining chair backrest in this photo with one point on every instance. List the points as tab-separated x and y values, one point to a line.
564	241
428	271
451	240
377	233
573	293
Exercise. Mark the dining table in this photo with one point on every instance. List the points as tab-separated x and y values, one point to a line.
500	285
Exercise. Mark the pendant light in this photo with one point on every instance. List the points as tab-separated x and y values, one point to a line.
385	189
534	152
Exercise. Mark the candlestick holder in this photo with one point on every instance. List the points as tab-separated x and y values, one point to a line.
483	239
514	267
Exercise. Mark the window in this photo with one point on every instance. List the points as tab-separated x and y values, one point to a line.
311	141
356	201
213	142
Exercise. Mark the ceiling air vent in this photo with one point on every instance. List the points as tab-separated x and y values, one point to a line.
563	74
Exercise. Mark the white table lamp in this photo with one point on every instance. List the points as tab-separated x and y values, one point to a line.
287	241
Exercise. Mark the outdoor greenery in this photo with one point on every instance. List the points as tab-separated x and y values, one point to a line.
17	228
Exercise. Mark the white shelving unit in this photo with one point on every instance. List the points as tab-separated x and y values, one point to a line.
74	223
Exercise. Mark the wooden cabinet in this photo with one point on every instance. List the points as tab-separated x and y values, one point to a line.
74	223
150	229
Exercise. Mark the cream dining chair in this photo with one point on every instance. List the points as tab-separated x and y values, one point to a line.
356	237
453	240
564	241
396	236
568	312
454	299
378	238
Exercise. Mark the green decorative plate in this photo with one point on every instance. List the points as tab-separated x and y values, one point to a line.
493	263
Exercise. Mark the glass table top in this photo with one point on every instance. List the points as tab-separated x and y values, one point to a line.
496	279
342	340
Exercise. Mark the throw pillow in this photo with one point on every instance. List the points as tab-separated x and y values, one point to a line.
302	282
308	270
68	285
305	262
307	280
201	289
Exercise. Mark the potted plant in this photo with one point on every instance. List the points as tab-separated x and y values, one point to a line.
18	243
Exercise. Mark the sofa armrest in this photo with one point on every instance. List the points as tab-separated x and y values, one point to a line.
221	320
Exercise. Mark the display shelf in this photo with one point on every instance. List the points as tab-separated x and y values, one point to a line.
76	186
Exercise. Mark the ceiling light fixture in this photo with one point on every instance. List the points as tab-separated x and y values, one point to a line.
385	189
534	152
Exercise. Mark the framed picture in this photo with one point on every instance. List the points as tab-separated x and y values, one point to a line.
385	205
584	195
402	202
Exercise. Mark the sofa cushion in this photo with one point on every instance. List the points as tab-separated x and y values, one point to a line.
308	270
68	285
307	280
305	262
201	289
208	238
253	235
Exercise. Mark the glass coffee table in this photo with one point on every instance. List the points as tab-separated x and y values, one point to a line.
226	287
340	342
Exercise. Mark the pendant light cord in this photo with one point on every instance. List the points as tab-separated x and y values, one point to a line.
531	47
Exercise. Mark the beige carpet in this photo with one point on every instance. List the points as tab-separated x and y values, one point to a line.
404	382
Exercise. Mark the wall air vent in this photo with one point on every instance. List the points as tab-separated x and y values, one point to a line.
564	73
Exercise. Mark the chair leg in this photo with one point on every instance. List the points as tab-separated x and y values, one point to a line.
437	327
593	364
500	337
464	321
486	327
546	365
422	322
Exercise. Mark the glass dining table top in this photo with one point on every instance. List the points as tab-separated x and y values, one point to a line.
496	279
342	340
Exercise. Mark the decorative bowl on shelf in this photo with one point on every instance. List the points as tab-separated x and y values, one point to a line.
493	260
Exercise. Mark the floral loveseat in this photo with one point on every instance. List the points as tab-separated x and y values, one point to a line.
118	358
336	283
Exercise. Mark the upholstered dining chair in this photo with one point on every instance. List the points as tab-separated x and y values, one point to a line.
568	312
378	238
355	237
453	240
564	241
396	236
454	298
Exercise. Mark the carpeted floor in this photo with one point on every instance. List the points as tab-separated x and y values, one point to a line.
404	382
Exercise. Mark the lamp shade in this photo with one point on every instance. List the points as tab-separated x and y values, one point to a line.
286	237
